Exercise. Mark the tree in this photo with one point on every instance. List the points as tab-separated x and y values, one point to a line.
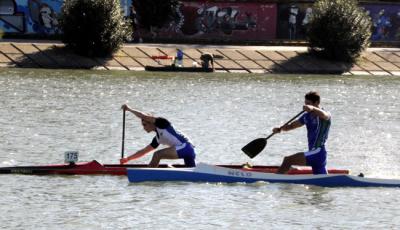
94	27
339	30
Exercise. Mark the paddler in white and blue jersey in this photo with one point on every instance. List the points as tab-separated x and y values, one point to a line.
318	122
179	147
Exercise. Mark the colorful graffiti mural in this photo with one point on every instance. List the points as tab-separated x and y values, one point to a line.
204	20
385	21
210	20
36	16
30	16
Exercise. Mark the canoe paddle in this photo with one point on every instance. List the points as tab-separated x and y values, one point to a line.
256	146
123	134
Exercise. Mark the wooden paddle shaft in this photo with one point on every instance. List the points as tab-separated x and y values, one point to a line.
286	123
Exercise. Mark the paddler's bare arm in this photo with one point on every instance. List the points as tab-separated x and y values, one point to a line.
317	111
137	155
294	125
140	114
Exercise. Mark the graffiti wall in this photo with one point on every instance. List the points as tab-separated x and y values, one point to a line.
385	20
293	20
204	20
35	16
227	21
30	16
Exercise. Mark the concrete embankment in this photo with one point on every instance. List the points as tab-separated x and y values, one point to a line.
246	59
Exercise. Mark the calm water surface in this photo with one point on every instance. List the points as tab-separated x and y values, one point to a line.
45	113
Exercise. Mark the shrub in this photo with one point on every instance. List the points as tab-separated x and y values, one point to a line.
339	30
94	27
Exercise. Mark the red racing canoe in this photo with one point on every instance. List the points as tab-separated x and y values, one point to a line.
95	168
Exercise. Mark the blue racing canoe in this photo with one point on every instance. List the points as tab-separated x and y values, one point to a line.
215	174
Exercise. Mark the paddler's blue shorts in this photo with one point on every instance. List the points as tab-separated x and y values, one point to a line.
186	152
316	158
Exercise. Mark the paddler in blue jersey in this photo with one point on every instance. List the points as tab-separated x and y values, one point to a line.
179	147
318	122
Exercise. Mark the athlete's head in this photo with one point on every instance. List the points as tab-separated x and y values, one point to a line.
148	126
312	98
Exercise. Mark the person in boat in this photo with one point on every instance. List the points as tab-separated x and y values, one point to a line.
179	146
318	122
206	59
178	62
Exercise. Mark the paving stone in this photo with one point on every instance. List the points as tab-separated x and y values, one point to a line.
7	65
220	71
116	68
369	66
63	61
43	47
170	51
110	63
22	61
193	54
360	73
151	51
347	74
4	59
232	54
228	64
252	54
42	60
389	56
137	68
189	62
309	66
396	64
8	49
272	55
258	71
288	54
356	67
387	66
128	62
395	73
237	71
120	53
291	66
85	62
269	65
249	64
27	48
146	61
379	73
49	55
99	68
370	56
134	52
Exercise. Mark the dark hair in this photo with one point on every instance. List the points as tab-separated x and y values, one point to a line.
313	96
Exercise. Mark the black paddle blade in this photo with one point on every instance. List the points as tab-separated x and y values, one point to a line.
255	147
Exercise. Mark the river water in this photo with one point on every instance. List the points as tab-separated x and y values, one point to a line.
45	113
